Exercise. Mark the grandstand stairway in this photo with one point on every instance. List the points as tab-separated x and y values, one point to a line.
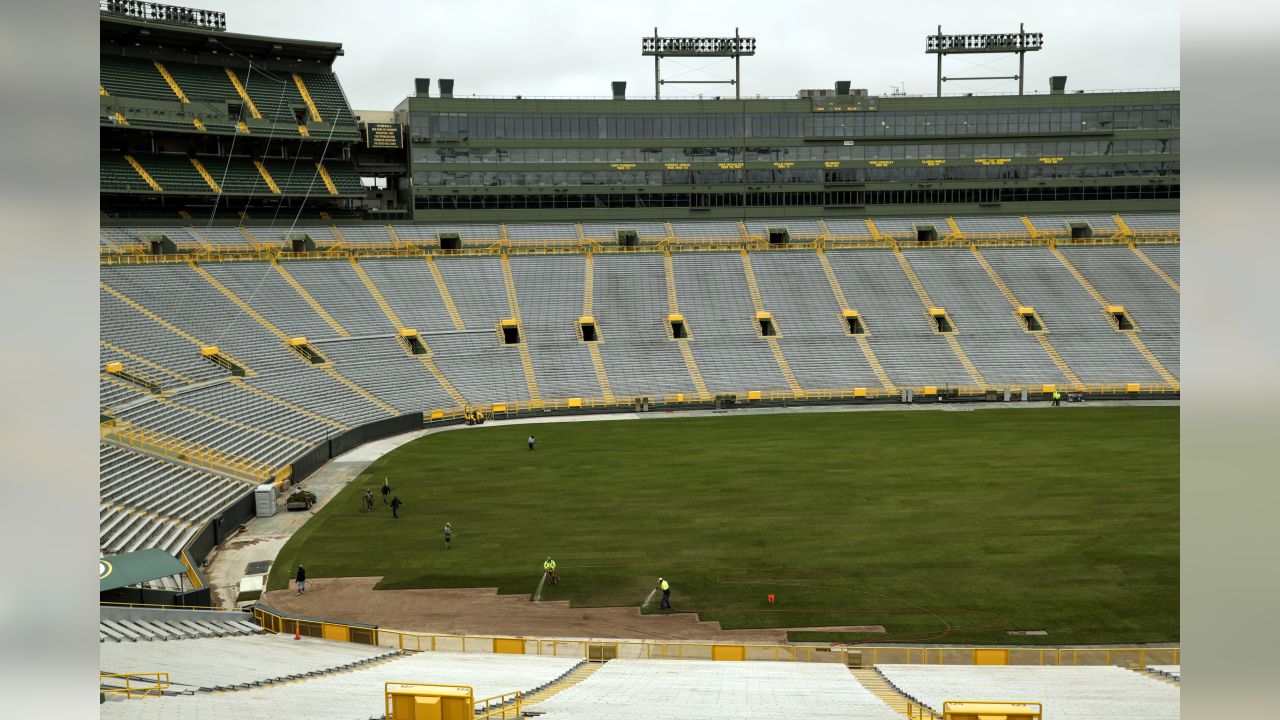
673	306
575	676
513	304
324	175
266	177
306	97
1132	335
445	297
863	343
1157	675
754	289
327	367
878	685
307	297
425	359
597	362
1040	337
146	176
928	303
1156	268
244	95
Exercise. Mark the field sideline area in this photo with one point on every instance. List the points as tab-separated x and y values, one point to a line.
951	527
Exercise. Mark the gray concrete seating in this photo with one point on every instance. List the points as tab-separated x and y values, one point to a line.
986	326
812	331
707	690
717	308
550	291
1122	278
1076	323
1067	693
898	327
358	693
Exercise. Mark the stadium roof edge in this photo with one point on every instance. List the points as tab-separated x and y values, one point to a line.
193	39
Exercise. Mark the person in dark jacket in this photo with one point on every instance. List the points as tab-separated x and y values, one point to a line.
386	491
301	580
395	507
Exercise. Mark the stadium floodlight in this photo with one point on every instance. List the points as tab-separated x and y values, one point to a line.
734	47
157	12
1018	43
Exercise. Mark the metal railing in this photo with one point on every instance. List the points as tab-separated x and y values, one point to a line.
500	707
138	255
136	685
602	650
916	711
156	443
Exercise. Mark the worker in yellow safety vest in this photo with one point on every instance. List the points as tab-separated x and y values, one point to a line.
1057	398
549	567
665	587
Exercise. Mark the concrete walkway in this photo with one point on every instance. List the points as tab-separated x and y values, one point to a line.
262	538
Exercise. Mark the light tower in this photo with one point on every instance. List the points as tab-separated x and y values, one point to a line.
1019	43
734	47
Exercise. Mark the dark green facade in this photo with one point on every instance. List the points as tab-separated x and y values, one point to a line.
525	160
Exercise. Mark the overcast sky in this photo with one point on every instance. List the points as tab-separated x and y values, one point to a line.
575	48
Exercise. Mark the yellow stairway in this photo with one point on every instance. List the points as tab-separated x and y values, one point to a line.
874	682
575	676
324	175
593	348
426	360
513	305
960	354
204	173
266	177
863	343
754	289
240	383
244	95
1156	269
307	297
173	84
1041	337
306	98
1140	346
327	367
445	297
146	176
673	306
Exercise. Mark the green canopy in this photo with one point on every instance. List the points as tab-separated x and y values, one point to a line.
136	567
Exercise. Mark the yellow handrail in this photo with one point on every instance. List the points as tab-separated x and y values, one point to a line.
109	255
850	655
139	684
157	443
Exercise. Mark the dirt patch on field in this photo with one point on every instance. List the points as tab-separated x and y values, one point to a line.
482	611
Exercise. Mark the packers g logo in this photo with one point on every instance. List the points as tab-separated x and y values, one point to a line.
104	569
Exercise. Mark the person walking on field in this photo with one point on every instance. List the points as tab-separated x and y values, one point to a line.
448	534
665	587
368	500
301	580
395	507
530	443
1057	398
549	567
386	490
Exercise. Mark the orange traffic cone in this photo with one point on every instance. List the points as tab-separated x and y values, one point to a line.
297	634
771	598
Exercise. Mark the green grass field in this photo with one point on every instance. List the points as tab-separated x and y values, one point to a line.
928	523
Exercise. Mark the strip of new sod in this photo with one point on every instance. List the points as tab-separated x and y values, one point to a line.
941	526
